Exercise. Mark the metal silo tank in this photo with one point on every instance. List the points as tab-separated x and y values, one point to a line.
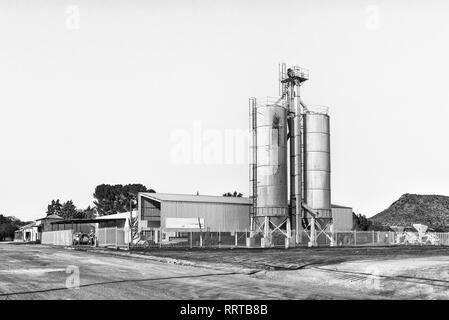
317	189
271	157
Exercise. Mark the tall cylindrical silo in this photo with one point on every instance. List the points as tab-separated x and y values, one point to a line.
317	188
271	157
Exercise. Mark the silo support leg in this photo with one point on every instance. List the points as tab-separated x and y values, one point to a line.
332	242
252	228
322	230
266	234
288	237
297	230
312	233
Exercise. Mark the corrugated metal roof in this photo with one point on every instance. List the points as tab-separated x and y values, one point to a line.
52	216
206	198
118	216
195	198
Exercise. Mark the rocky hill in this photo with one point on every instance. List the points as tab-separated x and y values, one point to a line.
431	210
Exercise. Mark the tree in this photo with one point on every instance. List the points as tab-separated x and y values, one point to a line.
54	208
88	213
112	199
68	210
7	231
361	223
234	194
8	225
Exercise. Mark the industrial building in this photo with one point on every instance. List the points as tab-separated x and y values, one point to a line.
161	217
171	213
290	183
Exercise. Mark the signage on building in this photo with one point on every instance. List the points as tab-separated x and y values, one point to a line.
184	223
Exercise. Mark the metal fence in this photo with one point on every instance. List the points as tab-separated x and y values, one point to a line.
384	238
154	238
59	238
112	237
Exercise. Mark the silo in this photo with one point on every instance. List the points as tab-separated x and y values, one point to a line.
271	154
317	190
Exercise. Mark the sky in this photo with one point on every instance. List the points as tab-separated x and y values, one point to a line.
156	92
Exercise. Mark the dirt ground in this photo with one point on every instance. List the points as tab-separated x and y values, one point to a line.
298	258
42	272
395	272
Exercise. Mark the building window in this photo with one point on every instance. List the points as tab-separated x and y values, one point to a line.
150	210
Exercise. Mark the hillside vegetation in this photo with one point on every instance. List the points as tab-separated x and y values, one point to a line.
431	210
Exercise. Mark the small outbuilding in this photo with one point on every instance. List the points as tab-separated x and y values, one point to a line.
45	223
28	233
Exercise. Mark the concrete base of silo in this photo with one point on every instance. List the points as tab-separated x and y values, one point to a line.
290	242
265	242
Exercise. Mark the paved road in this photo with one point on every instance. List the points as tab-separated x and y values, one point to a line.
40	272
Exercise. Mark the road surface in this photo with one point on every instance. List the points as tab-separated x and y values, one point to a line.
40	272
43	272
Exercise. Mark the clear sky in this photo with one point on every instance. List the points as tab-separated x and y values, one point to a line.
107	91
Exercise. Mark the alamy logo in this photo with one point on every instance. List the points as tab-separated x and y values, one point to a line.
73	18
73	280
208	146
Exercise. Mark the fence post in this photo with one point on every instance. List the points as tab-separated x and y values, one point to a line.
116	238
355	237
159	237
219	239
373	237
236	238
191	239
332	243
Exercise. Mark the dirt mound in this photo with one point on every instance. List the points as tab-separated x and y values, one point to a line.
431	210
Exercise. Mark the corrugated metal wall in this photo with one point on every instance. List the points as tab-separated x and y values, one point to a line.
217	216
342	219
